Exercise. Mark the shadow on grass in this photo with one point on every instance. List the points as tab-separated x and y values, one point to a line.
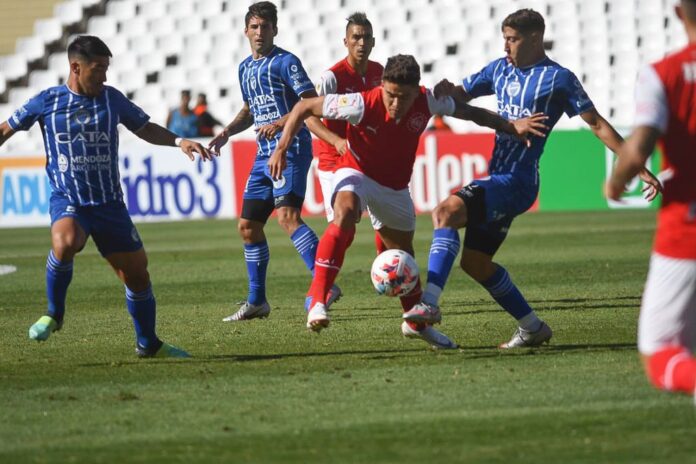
561	304
466	352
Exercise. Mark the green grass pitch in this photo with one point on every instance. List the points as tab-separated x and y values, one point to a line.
271	392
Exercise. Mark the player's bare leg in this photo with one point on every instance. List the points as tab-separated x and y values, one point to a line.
131	269
67	239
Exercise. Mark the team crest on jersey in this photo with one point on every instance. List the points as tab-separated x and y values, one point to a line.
293	68
513	89
62	163
417	122
82	116
252	83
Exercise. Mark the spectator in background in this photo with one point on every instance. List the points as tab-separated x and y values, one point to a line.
182	121
206	121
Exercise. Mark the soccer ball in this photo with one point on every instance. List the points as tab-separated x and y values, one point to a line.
394	273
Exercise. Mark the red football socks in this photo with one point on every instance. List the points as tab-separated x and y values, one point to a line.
329	259
673	368
379	244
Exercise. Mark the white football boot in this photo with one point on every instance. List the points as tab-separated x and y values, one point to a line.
249	311
430	335
523	338
423	312
317	318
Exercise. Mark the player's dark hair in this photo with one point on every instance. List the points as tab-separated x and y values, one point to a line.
689	9
88	47
186	93
263	10
402	69
525	21
358	19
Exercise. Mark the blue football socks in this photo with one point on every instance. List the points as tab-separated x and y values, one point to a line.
142	308
58	277
443	252
507	295
257	256
306	241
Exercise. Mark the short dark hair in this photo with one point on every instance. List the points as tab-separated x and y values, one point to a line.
186	93
689	9
88	47
359	19
263	10
402	69
525	21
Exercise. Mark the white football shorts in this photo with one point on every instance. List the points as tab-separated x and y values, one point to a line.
668	311
387	207
326	183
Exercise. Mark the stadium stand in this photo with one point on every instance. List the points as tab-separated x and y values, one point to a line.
162	46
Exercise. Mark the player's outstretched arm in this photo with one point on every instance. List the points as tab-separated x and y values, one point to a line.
605	132
633	154
158	135
316	127
302	110
5	132
241	122
521	128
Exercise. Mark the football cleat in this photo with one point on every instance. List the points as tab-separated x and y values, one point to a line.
249	311
423	312
523	338
430	335
43	328
164	351
317	318
335	294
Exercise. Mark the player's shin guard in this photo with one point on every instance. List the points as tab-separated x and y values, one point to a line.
306	241
58	277
673	368
443	252
330	254
256	256
142	308
507	295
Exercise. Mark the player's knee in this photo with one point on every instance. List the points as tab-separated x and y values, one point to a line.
288	219
446	215
345	216
247	230
67	244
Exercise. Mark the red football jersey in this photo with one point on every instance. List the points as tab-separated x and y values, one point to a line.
666	96
383	148
342	78
676	225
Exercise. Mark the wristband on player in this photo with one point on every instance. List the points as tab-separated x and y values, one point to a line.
177	141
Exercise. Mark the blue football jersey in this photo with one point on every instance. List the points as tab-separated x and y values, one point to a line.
545	87
81	139
271	86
